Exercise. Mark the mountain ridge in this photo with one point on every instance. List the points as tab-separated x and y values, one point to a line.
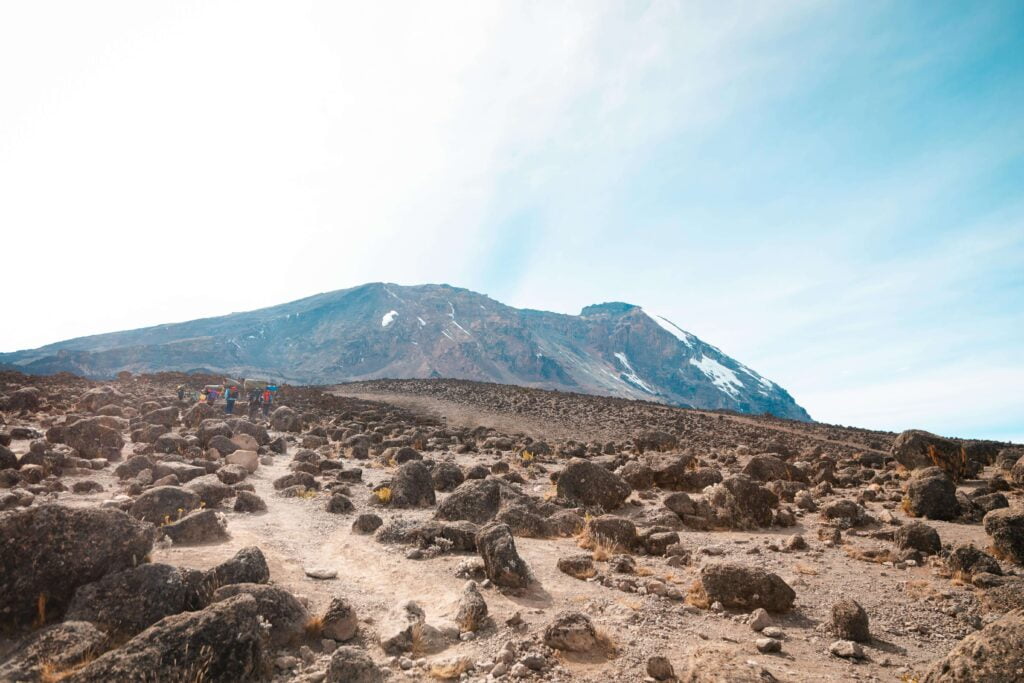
383	330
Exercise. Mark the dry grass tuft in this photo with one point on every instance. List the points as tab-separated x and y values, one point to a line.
874	555
450	669
383	495
805	569
697	597
606	642
40	611
920	589
314	627
50	672
905	506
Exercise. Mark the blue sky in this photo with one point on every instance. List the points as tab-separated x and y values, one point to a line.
828	191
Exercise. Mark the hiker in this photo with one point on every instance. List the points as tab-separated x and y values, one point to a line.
204	394
254	403
230	396
265	400
181	392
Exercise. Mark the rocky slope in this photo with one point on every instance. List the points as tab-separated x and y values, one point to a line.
408	536
388	331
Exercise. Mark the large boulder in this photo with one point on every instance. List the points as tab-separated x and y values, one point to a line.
181	470
48	551
222	643
740	503
412	486
195	415
250	460
916	449
126	602
163	504
284	419
248	565
995	654
769	467
850	621
97	398
210	489
917	536
446	476
471	614
8	460
197	527
60	646
736	585
475	500
615	534
1017	472
502	563
25	398
965	560
339	621
168	417
586	483
931	493
351	665
1006	527
671	472
571	632
92	438
279	608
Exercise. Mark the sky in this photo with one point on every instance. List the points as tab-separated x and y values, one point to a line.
830	192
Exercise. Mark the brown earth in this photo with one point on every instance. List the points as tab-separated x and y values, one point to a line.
917	611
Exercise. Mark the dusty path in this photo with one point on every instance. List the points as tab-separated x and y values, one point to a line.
459	414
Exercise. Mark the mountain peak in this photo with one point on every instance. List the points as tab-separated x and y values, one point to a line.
608	308
384	330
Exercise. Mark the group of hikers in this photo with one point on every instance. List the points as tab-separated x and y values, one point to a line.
260	396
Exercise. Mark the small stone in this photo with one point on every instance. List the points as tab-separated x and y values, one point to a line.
759	619
321	573
659	668
285	662
766	645
772	632
847	649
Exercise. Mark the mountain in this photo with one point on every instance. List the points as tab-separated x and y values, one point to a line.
383	330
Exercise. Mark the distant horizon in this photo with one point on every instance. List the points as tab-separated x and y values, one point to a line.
455	286
829	192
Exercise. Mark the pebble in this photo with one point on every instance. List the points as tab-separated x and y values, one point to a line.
321	573
768	645
759	619
846	649
772	632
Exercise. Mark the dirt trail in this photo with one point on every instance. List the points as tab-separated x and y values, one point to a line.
457	414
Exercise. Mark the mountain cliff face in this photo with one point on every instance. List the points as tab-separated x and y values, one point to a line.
382	330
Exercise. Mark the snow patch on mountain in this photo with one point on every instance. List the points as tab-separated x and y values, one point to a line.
388	318
722	377
631	375
670	327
